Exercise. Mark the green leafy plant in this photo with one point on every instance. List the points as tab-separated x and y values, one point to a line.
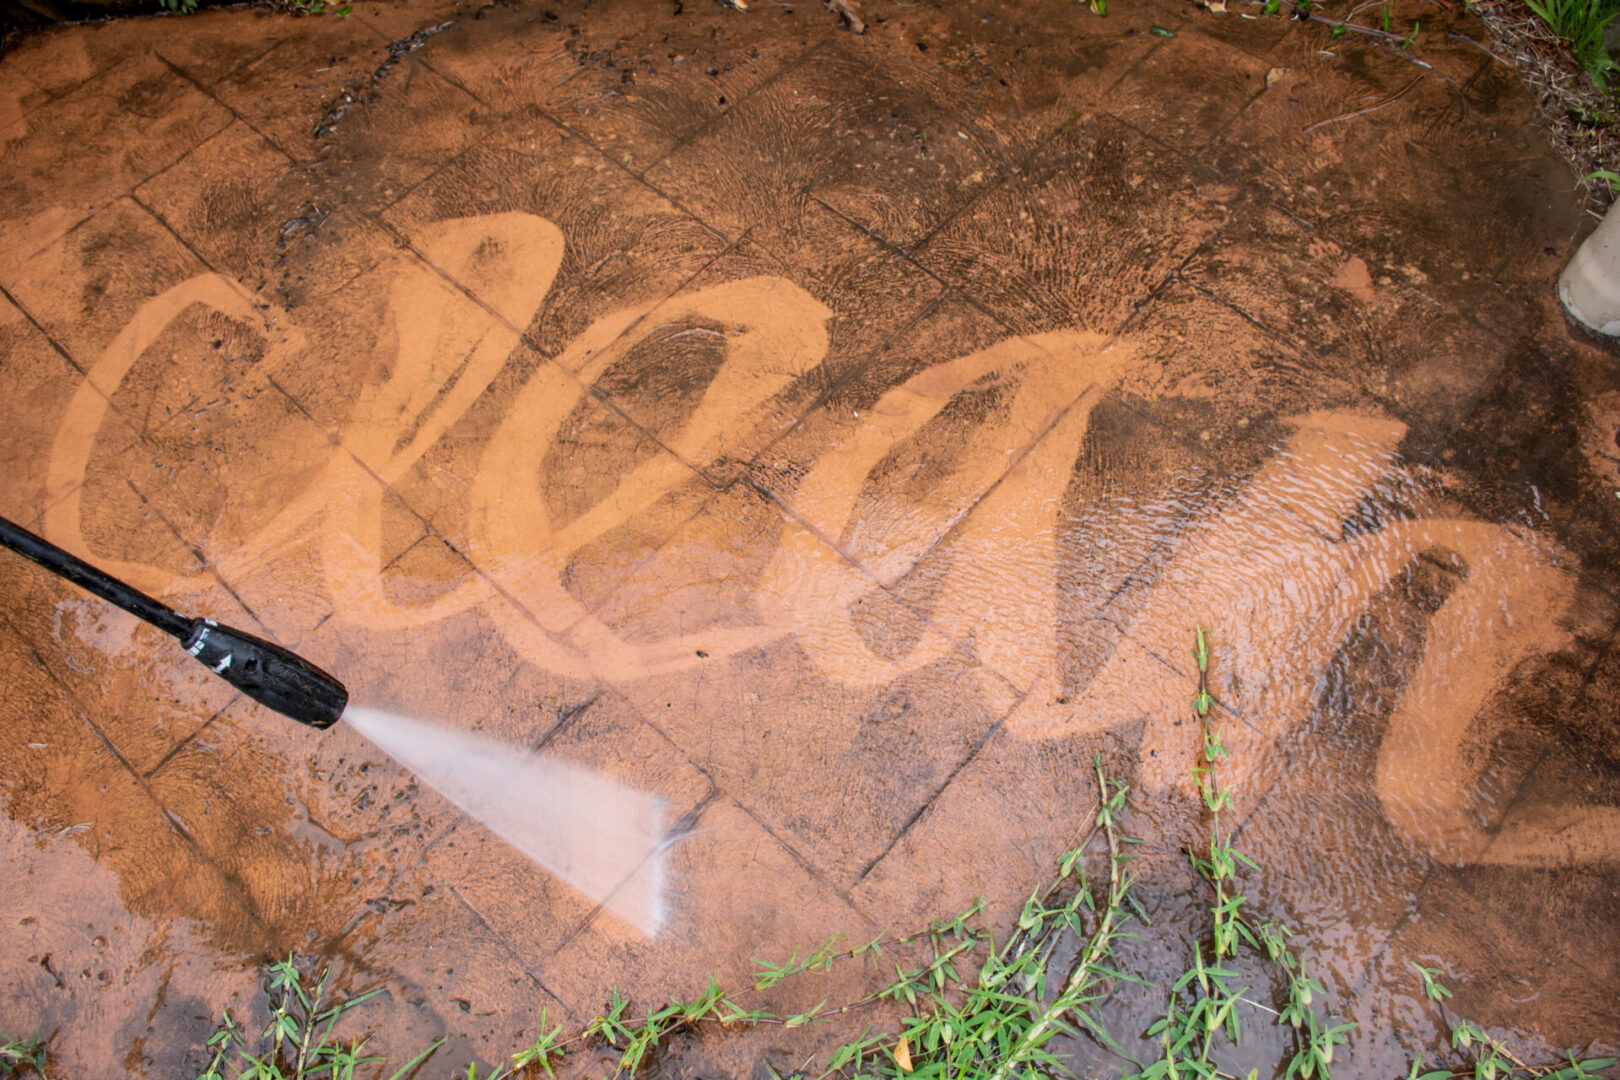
18	1057
298	1042
1606	177
314	7
1203	1007
1582	23
291	7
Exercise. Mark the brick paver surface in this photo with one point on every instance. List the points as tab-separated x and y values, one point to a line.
838	436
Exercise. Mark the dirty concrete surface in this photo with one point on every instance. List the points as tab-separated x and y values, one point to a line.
836	436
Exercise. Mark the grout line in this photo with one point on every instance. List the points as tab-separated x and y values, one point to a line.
243	66
858	365
961	522
52	98
429	526
62	685
1414	907
199	256
1580	699
728	247
641	179
565	719
336	943
688	822
967	513
508	947
655	549
191	738
54	344
241	894
526	338
715	121
680	829
804	862
788	511
889	246
928	804
451	79
376	212
22	116
297	162
412	546
407	190
1080	117
94	209
202	557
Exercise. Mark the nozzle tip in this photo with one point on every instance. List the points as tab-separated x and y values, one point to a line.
275	677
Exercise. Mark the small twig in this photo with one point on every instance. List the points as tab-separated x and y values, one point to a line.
1396	96
1482	48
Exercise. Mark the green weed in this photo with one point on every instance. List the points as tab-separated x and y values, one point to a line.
297	1043
1203	1008
291	7
1582	23
1607	177
314	7
18	1057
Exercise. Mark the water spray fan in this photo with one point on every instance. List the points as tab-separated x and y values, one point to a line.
275	677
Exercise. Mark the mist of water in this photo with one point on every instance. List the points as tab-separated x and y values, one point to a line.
596	834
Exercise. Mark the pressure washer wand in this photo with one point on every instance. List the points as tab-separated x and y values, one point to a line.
265	672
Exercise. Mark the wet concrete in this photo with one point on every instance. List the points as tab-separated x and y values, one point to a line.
835	436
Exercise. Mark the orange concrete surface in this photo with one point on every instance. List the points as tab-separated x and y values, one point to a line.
837	436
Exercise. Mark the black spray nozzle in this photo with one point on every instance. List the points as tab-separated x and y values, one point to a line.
269	674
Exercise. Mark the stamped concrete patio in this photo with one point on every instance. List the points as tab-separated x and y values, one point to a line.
837	435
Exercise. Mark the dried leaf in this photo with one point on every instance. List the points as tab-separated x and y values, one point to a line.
851	12
902	1055
1274	74
1217	6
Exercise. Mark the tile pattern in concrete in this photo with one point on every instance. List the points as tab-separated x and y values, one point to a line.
837	436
